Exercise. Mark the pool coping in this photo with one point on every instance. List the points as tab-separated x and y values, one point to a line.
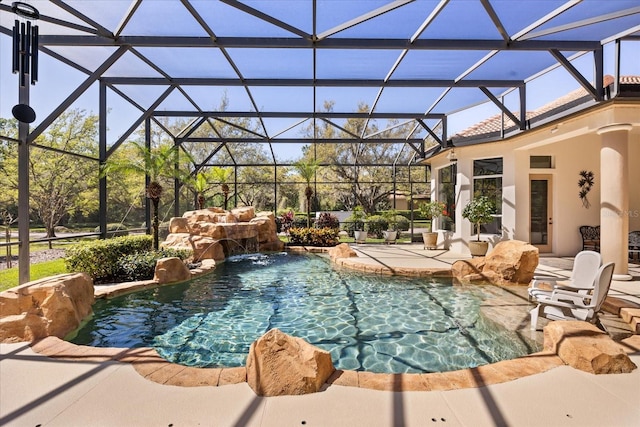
148	363
151	366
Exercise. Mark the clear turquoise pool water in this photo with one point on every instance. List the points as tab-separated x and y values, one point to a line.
367	322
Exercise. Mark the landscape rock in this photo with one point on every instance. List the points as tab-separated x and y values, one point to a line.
510	262
343	250
52	306
279	364
244	214
170	270
178	225
468	269
583	346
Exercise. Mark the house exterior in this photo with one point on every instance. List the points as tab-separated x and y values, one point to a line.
534	176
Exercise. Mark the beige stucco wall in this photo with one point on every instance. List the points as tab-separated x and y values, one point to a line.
574	146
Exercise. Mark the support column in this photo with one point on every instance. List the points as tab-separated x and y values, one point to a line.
24	263
614	198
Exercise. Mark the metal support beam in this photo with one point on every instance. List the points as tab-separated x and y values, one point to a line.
523	107
147	178
296	114
328	43
292	82
598	59
176	181
142	118
575	73
501	106
24	263
77	93
102	156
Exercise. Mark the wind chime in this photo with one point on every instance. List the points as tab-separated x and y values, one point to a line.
25	54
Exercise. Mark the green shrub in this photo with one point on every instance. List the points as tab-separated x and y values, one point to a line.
376	224
314	236
402	223
355	221
99	258
141	266
300	221
114	230
327	220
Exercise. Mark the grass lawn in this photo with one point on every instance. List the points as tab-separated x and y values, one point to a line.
9	277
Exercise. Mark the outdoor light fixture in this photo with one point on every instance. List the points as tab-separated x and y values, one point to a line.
451	156
25	54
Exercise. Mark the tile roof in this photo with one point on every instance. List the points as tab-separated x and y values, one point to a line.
493	125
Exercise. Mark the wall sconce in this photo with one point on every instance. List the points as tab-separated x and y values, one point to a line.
451	156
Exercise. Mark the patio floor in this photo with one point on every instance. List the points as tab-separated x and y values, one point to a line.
38	390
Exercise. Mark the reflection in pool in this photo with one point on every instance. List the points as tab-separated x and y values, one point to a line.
367	322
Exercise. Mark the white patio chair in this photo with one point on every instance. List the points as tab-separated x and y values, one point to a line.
585	268
563	305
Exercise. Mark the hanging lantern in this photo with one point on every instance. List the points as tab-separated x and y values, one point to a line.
25	42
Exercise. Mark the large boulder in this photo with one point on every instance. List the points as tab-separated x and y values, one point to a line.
170	270
178	225
510	262
469	270
244	214
279	364
266	228
53	306
583	346
203	247
343	250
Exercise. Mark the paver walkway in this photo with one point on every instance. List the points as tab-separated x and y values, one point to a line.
38	390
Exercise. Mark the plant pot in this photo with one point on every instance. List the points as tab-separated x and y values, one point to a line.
390	236
478	248
360	236
430	240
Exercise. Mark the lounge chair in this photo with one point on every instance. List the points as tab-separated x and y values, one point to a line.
585	268
563	304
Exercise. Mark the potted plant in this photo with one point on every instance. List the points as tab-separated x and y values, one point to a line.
479	211
359	216
431	210
391	233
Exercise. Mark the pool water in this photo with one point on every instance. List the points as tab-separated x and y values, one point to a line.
367	322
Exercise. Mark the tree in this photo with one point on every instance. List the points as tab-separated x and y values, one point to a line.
222	175
307	170
61	182
155	164
354	163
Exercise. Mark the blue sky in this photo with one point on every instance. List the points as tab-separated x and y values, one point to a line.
57	81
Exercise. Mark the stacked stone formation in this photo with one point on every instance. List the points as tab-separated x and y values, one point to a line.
214	233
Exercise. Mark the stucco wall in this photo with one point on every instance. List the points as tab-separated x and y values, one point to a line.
574	146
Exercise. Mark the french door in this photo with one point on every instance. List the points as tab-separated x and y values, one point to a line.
541	211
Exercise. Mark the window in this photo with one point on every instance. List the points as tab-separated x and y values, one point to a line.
540	162
487	181
447	195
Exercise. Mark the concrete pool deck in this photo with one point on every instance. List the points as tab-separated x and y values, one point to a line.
40	390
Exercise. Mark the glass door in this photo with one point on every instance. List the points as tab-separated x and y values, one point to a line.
541	220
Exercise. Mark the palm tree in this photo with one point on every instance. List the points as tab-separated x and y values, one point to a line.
222	175
307	170
154	164
199	185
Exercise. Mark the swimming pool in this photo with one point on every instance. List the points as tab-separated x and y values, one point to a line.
375	323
